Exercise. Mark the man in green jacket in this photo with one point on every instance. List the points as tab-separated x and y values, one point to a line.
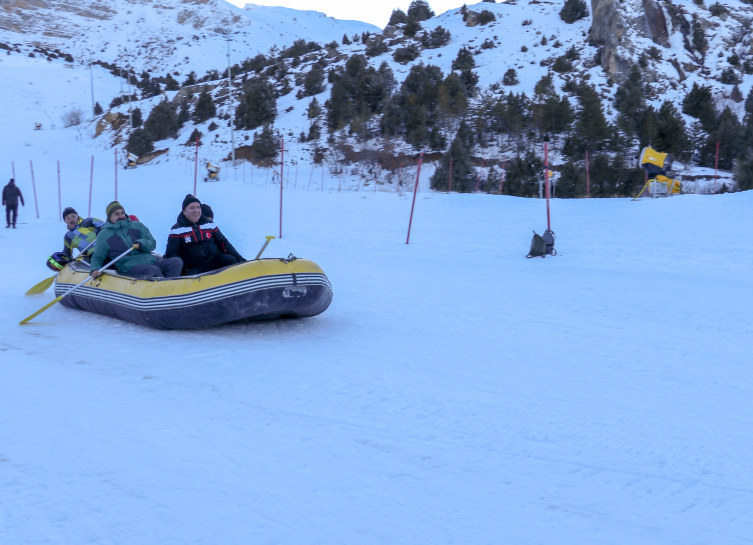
121	233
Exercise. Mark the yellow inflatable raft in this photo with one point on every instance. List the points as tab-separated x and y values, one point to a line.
260	289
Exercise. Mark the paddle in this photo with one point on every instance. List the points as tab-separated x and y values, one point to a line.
58	299
47	282
263	248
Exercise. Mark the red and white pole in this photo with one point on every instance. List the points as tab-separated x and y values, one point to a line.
91	186
60	198
546	168
478	178
34	187
282	165
116	174
716	166
450	174
196	167
415	191
502	178
588	178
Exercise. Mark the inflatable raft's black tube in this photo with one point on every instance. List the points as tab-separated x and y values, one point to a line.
262	289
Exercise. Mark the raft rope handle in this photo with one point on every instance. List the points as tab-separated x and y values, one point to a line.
290	259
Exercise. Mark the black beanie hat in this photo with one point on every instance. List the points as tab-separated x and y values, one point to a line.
207	211
69	210
189	199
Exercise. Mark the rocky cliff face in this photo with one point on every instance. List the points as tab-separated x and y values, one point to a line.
618	27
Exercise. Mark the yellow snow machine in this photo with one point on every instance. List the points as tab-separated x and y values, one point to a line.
131	160
213	173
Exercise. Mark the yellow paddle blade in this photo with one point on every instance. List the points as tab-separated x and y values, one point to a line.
41	310
42	286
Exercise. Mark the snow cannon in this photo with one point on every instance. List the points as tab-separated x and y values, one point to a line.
213	173
131	160
661	185
654	162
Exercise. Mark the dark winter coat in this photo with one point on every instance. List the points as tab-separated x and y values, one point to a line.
197	243
11	194
115	238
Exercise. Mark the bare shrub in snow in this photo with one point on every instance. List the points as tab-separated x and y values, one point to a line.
72	117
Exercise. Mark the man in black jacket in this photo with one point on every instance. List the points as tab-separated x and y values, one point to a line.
199	242
11	194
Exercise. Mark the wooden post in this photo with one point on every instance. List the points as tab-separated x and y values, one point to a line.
415	191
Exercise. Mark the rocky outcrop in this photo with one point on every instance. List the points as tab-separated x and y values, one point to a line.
615	25
607	32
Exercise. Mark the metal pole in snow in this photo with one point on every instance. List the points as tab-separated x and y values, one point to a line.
450	191
311	177
13	168
588	178
91	186
716	166
196	167
415	191
34	186
282	165
116	174
546	167
60	198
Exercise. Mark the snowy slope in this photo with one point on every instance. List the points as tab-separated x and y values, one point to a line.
165	35
454	391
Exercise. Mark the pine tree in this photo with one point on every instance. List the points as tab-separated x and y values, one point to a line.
170	83
162	122
139	143
313	83
420	10
190	79
729	134
266	146
314	110
671	135
97	109
592	131
698	103
205	108
573	10
398	17
258	105
464	60
463	174
184	114
192	139
630	102
523	174
346	40
571	181
136	119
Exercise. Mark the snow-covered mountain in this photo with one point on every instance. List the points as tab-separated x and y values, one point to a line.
161	35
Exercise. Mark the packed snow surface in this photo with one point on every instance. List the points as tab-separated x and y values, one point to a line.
454	392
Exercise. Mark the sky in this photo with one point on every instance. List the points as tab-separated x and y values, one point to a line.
376	13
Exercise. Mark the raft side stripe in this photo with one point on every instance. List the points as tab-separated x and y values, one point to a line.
191	299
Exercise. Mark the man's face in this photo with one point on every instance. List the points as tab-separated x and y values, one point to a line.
117	216
71	220
193	212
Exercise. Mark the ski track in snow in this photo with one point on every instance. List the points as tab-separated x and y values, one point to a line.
454	392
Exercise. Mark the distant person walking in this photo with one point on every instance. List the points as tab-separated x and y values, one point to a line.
11	194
